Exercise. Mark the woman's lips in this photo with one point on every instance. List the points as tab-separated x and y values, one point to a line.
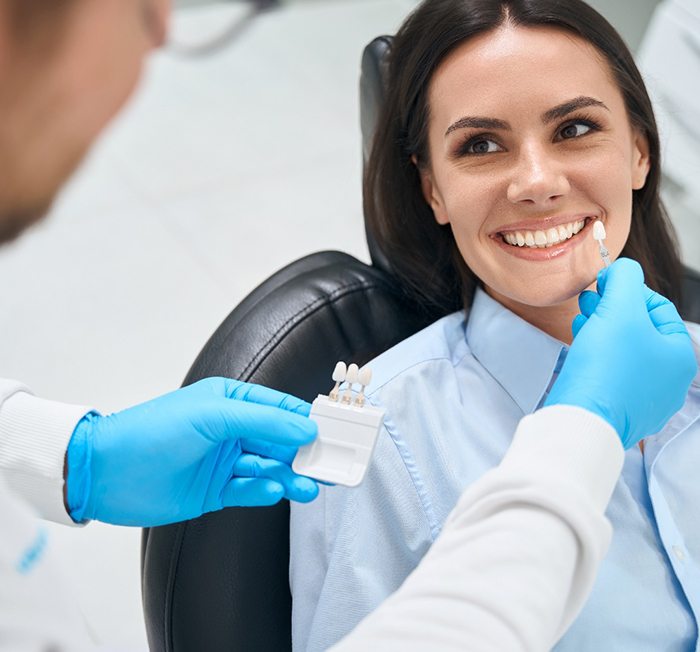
545	253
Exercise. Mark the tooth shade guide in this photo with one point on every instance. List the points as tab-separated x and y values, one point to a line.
347	434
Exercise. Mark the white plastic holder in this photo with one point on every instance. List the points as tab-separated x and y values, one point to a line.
347	435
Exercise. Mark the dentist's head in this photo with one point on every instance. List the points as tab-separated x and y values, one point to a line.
66	68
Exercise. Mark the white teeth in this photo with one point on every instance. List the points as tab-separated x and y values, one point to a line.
578	226
546	238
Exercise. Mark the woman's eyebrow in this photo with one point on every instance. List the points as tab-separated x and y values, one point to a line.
556	113
477	123
565	108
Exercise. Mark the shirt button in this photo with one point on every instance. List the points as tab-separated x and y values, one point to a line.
678	552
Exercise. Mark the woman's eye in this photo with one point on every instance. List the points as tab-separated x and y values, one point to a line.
481	146
574	130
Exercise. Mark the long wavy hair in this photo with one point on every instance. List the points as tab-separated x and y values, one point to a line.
424	254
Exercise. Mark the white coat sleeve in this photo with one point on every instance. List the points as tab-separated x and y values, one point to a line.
37	611
518	555
34	435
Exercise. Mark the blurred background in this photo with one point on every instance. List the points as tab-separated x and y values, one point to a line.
229	163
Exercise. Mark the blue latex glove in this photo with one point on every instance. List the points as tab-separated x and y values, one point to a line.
632	359
216	443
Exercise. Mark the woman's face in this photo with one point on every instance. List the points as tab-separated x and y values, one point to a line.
529	140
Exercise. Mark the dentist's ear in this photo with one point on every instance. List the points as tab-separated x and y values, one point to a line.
640	160
431	192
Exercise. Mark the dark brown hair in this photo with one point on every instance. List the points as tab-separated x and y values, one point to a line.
422	253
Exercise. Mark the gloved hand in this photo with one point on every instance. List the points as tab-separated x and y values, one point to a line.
216	443
632	359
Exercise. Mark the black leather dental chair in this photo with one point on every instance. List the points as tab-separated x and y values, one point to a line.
220	582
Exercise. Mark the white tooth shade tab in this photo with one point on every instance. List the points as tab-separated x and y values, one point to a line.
546	238
364	376
339	372
351	375
599	230
350	379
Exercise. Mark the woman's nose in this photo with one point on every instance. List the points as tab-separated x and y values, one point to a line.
538	178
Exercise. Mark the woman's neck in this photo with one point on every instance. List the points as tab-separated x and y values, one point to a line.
554	320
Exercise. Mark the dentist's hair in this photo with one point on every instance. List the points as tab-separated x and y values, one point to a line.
422	253
36	25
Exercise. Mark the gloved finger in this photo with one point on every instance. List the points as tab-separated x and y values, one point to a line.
577	324
251	492
621	287
653	299
296	487
663	314
587	302
666	319
266	449
266	396
245	420
674	328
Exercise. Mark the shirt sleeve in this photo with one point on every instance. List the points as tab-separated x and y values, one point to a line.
352	547
38	612
34	435
518	555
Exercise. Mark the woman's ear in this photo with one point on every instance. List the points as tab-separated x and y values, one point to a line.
431	193
640	160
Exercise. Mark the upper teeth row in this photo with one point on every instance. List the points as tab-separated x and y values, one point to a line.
544	238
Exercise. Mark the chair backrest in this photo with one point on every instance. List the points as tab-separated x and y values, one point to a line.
220	582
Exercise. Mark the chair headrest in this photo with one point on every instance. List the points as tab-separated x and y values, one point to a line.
372	93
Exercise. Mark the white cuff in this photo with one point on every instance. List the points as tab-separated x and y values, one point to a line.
34	435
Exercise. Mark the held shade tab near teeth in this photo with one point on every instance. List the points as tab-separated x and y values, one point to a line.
599	230
599	235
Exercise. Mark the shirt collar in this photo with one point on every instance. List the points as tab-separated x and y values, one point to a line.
519	356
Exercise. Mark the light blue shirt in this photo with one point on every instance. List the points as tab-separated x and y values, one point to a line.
454	394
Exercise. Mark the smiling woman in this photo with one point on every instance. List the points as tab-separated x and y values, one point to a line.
483	94
510	128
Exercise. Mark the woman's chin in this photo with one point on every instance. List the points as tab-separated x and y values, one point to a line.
541	295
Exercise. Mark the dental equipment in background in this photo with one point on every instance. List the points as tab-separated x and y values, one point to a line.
599	235
230	32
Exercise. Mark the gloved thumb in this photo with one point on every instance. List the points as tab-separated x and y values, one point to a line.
664	314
